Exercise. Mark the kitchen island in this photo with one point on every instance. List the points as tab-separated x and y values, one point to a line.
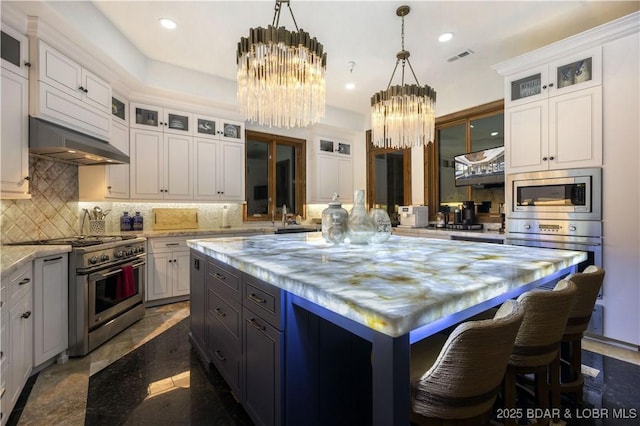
386	295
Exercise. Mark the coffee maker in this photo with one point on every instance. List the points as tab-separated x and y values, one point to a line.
468	213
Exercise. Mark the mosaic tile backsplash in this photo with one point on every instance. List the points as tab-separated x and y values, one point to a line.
55	212
52	211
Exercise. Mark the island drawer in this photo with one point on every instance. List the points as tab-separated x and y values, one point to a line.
224	279
264	300
224	351
226	312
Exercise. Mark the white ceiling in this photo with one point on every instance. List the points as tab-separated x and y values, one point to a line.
366	32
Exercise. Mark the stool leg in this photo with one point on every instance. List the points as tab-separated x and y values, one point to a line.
510	395
554	382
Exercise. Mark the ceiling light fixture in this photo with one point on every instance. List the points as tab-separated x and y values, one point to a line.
281	75
445	37
350	85
403	116
169	24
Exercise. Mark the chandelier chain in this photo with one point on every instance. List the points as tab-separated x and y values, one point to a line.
276	14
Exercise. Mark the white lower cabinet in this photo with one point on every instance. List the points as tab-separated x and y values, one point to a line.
51	303
167	269
17	335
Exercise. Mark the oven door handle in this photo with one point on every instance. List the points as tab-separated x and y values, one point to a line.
117	271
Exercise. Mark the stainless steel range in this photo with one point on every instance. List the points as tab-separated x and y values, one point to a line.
106	293
106	287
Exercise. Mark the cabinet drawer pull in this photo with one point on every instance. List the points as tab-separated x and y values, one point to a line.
172	244
2	392
256	299
26	315
53	259
220	313
219	355
256	324
220	277
25	281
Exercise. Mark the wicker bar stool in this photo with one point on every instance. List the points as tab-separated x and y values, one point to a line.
455	379
588	284
536	349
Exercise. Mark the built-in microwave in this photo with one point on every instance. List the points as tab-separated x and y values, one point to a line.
574	194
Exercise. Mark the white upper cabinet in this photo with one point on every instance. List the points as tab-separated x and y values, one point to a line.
150	117
66	93
15	51
161	166
331	170
553	114
219	159
573	72
14	155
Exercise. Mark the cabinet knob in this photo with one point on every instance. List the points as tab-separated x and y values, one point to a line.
27	64
544	158
25	281
27	178
550	84
81	88
26	315
544	87
551	158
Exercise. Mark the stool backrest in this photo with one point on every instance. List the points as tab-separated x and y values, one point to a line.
545	319
588	284
465	378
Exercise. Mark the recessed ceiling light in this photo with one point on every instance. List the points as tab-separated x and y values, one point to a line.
168	23
350	86
445	37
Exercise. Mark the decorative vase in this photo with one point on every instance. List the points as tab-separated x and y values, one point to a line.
382	230
334	222
361	226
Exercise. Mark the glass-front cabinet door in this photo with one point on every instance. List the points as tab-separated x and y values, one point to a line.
15	51
578	71
527	86
119	109
574	72
147	117
232	131
177	122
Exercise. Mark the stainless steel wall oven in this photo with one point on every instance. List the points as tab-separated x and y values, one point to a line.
560	209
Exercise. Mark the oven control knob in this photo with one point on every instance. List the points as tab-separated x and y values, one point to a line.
104	258
120	254
572	227
129	252
93	260
527	226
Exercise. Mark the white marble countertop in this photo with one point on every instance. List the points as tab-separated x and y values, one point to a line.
393	287
13	258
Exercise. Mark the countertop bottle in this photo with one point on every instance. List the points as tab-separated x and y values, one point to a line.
138	223
382	221
334	222
360	227
125	222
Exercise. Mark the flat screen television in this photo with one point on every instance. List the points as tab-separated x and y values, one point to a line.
485	167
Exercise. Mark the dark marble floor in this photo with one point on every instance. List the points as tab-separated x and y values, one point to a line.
163	382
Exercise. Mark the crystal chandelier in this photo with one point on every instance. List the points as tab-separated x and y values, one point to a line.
281	79
403	116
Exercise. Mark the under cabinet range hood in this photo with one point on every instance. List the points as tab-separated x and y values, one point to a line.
61	143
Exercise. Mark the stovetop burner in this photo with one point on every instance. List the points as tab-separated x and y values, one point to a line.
77	241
